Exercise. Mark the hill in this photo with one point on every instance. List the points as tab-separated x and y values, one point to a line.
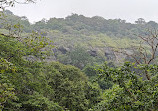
28	82
91	40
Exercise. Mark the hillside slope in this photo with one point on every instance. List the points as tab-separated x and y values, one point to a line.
94	37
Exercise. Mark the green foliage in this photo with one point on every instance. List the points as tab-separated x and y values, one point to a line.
79	57
11	49
93	94
31	85
39	45
69	85
37	102
6	88
20	79
92	73
130	91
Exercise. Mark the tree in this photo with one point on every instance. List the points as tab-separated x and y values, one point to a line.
69	85
19	87
92	73
79	57
8	3
6	88
130	90
22	83
146	51
140	21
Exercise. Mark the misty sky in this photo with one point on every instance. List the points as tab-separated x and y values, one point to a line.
129	10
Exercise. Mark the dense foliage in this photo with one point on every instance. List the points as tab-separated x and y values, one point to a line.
130	90
28	82
32	85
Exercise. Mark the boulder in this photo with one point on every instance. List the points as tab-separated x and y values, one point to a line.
93	53
63	50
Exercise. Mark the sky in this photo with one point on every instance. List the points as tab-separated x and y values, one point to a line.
129	10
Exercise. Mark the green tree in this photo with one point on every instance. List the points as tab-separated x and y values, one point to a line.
6	88
130	91
140	21
69	85
79	57
135	85
92	73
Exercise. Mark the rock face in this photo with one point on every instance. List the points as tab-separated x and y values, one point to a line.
106	52
92	53
109	54
63	50
30	58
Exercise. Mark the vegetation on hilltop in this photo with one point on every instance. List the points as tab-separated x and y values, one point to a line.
98	36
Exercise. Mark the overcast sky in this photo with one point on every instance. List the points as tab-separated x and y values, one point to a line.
129	10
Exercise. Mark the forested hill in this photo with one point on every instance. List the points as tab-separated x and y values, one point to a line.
81	40
81	24
33	78
75	24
